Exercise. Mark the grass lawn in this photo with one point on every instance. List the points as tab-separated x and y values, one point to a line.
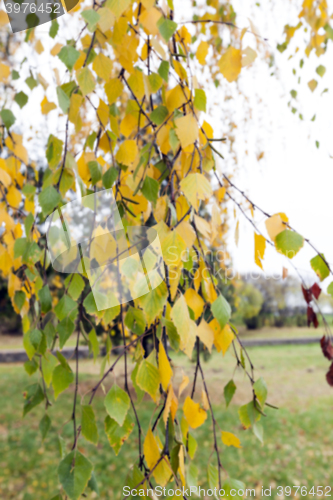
298	438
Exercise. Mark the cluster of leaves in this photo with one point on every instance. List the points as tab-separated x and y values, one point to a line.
131	112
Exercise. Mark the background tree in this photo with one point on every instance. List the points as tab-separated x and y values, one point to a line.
120	108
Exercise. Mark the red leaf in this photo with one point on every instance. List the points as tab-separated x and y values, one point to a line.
327	347
329	376
315	290
307	294
312	317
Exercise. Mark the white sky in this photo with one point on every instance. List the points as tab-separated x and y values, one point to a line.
294	176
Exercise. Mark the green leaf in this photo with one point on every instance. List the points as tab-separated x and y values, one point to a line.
74	473
63	100
150	189
135	320
21	99
54	151
117	434
221	310
45	298
320	267
90	304
49	362
44	426
20	246
61	379
192	475
76	287
91	17
88	424
166	27
260	390
148	378
15	75
49	198
31	82
289	243
65	329
86	80
64	307
163	70
54	28
172	333
232	484
212	476
69	55
321	70
159	115
7	117
229	391
200	100
117	403
50	333
19	299
330	289
139	392
93	343
28	223
30	366
110	177
33	396
258	431
248	414
95	170
92	484
192	446
35	337
153	302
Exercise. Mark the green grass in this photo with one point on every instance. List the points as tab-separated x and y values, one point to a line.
298	437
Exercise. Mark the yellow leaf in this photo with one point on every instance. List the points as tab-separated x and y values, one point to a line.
5	179
259	249
128	124
312	85
202	52
39	47
206	334
230	439
113	90
14	197
148	4
249	56
164	367
230	64
6	261
4	72
274	226
182	208
3	18
173	248
204	400
85	80
181	318
202	226
194	415
161	208
152	455
107	19
102	66
127	153
47	106
184	383
195	302
187	130
103	113
223	339
168	402
188	346
176	97
56	49
196	187
186	231
237	233
149	19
